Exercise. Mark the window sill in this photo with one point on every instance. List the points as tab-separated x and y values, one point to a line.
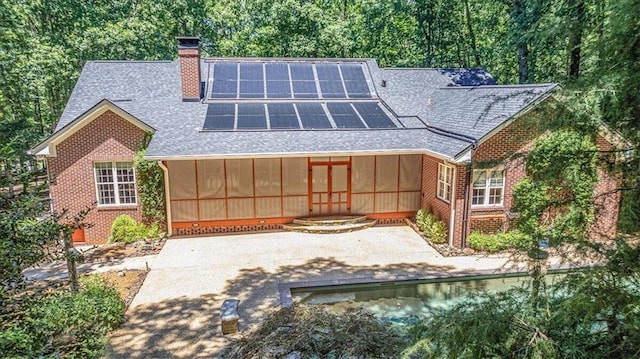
120	207
444	200
487	207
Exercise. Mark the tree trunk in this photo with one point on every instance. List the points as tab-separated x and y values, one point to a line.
576	28
472	35
518	13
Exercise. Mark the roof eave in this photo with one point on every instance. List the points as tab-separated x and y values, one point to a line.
47	148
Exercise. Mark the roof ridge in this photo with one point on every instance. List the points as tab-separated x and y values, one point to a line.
131	61
515	86
309	59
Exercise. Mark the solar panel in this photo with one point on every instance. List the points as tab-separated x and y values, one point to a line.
352	72
301	71
283	116
332	89
278	89
312	115
251	71
344	115
328	72
373	115
304	89
251	116
251	89
277	71
220	116
224	89
225	80
355	81
225	71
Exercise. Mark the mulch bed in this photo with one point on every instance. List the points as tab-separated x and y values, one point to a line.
114	251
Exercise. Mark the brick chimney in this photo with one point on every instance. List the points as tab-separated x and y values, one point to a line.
189	54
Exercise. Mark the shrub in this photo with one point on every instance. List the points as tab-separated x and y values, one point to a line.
431	226
65	324
126	230
498	242
150	183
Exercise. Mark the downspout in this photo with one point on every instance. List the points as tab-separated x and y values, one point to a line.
167	198
452	213
467	197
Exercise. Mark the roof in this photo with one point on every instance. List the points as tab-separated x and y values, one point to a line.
436	111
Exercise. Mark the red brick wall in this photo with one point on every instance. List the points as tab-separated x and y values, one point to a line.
508	146
190	72
438	207
107	138
458	227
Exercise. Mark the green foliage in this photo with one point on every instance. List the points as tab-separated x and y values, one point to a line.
556	200
431	226
588	314
316	333
150	185
64	324
499	241
125	229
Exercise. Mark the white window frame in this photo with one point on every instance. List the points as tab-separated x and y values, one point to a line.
486	197
445	182
115	182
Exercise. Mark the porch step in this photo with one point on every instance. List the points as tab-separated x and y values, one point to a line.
329	220
330	228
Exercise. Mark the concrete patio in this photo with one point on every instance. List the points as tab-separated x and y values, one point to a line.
176	312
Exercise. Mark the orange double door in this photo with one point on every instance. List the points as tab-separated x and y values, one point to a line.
329	186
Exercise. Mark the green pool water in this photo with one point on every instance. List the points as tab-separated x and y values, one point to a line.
405	302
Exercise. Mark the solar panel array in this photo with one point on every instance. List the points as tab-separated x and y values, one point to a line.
295	115
285	80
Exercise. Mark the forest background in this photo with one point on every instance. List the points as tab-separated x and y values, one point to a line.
591	47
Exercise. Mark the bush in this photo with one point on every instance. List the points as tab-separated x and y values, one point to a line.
498	242
431	226
126	230
65	324
150	183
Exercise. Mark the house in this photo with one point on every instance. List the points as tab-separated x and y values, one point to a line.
252	143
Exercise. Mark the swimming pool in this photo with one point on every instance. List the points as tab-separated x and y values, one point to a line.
407	301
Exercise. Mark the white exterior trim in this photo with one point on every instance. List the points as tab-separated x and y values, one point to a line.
167	197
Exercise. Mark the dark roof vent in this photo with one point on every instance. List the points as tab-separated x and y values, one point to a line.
384	83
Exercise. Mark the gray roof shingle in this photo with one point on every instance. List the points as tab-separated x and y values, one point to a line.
151	92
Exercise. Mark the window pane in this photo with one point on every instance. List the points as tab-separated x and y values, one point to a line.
106	194
127	193
478	196
479	178
497	178
495	196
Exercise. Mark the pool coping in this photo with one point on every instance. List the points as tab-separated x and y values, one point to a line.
286	299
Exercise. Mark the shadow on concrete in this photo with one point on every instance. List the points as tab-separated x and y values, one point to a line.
190	327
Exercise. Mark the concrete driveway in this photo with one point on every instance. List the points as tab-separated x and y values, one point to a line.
176	312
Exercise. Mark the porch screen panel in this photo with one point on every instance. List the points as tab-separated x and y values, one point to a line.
268	207
212	209
408	201
240	208
362	203
386	202
267	176
184	210
295	206
211	179
410	173
294	176
182	179
239	179
386	173
362	174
